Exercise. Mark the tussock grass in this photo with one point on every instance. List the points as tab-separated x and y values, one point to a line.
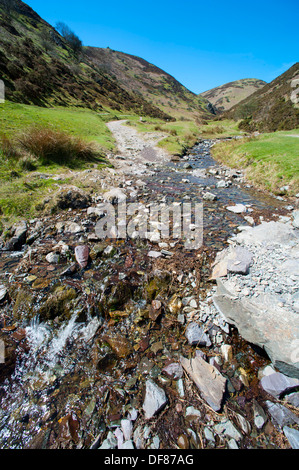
48	146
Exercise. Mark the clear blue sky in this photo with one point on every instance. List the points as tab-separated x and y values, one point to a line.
203	44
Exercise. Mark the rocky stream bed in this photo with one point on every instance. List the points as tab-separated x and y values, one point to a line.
142	343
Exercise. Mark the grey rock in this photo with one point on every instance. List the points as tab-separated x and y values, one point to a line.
237	209
259	415
295	216
276	384
280	414
196	335
155	399
232	259
293	399
19	237
174	370
209	196
292	436
3	292
110	442
275	330
209	381
52	258
227	428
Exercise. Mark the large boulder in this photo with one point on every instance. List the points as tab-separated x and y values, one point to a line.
276	330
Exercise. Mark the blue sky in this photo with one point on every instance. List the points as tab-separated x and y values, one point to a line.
203	44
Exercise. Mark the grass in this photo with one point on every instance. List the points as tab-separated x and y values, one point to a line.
83	123
270	160
225	128
32	155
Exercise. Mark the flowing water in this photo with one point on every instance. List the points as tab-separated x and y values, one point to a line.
66	381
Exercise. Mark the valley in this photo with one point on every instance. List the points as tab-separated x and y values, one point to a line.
148	253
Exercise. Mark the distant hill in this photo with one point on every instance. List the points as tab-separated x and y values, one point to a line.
38	66
153	84
226	96
273	107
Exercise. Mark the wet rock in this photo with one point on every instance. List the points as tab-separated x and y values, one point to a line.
227	352
58	304
155	399
277	384
183	442
82	255
292	436
119	344
196	335
110	442
175	305
209	381
97	250
293	399
24	302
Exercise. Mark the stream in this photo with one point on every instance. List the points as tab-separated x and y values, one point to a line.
81	343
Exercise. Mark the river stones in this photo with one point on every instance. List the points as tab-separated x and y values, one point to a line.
119	344
209	381
82	255
155	399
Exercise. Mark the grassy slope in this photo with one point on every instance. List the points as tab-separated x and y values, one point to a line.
20	189
226	96
270	160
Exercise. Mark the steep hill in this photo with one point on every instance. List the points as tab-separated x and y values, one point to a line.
273	107
153	84
226	96
38	66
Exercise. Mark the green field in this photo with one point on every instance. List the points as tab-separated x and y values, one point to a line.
22	185
270	161
85	123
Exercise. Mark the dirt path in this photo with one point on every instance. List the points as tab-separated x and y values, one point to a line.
136	151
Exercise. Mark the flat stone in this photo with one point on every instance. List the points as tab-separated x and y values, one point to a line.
52	258
233	259
237	209
155	399
82	255
227	428
292	436
72	227
276	384
209	381
209	196
274	329
174	370
280	414
3	292
196	335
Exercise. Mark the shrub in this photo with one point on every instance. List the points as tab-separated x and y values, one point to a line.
41	145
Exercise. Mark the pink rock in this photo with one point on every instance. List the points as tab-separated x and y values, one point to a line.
82	255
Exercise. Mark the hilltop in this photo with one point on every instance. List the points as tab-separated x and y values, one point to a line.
226	96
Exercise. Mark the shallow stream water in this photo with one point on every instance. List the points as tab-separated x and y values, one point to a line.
68	386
